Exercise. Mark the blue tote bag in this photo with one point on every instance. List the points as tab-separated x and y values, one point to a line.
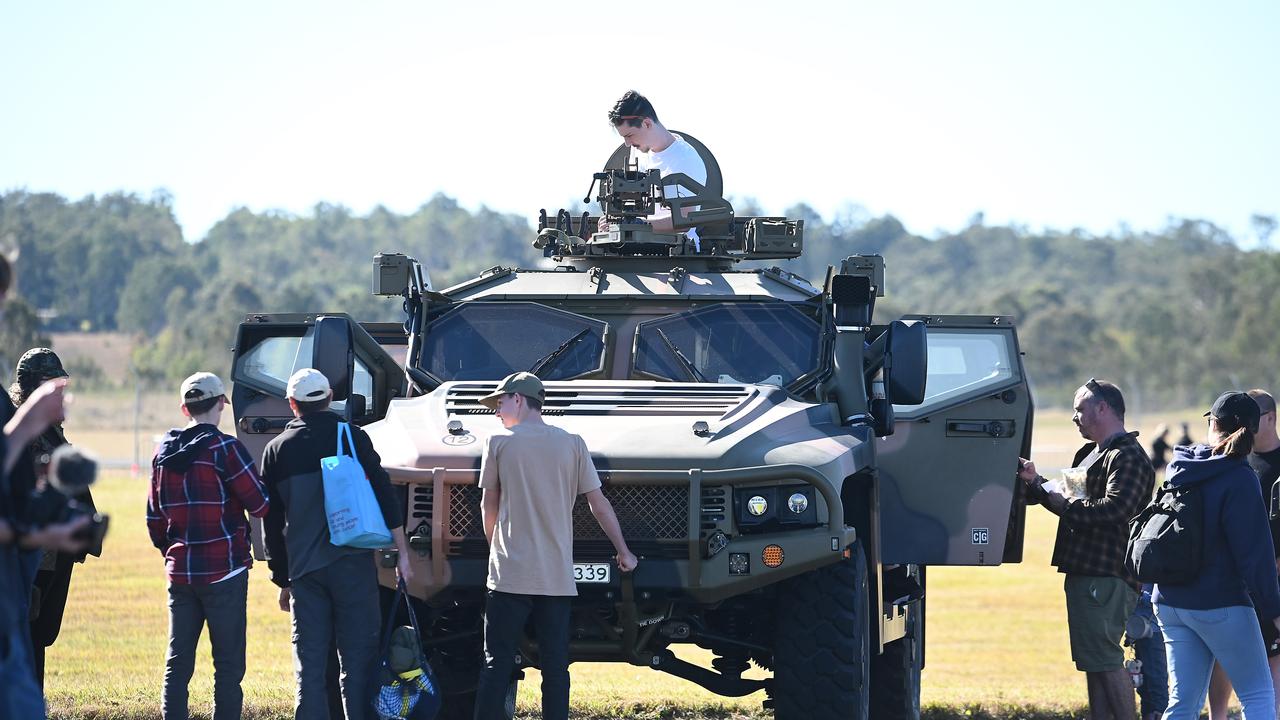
355	519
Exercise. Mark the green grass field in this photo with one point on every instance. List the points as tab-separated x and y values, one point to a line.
997	640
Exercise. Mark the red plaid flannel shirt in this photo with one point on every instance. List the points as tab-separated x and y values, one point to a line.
196	517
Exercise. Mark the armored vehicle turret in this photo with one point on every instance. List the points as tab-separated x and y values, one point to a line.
785	463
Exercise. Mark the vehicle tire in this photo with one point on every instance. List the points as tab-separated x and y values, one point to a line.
821	644
457	664
895	673
462	706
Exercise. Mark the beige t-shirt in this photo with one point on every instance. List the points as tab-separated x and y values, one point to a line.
541	470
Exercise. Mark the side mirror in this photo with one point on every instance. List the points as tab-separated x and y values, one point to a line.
906	362
357	406
332	354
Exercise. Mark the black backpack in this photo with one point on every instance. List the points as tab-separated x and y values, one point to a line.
1166	539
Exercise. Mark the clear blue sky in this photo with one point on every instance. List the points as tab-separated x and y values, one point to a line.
1079	114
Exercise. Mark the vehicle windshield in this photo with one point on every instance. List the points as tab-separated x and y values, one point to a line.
490	340
769	343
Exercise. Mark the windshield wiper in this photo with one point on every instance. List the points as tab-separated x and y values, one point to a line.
685	363
545	361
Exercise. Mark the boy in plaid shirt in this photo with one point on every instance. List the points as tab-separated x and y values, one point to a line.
202	483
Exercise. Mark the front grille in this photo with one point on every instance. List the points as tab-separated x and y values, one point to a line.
653	520
645	512
465	519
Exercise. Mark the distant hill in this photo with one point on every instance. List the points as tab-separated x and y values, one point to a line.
96	359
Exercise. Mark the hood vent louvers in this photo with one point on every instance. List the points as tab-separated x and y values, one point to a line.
584	398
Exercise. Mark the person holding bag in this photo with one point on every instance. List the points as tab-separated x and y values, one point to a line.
1211	617
331	589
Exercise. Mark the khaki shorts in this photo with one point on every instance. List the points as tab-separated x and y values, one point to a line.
1097	609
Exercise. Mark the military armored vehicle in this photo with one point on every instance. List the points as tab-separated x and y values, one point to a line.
774	453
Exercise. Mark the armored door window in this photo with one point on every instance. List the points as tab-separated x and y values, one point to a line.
270	363
490	340
962	365
361	379
770	343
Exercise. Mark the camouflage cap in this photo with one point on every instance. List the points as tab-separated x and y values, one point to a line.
521	383
38	365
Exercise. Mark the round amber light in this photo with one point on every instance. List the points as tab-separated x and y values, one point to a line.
773	556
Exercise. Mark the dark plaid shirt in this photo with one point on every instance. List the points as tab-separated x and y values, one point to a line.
202	483
1093	531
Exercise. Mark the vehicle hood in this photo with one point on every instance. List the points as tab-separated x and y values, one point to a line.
632	425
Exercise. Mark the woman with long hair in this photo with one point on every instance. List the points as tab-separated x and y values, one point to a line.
1212	617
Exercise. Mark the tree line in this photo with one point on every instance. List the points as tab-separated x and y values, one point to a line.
1173	316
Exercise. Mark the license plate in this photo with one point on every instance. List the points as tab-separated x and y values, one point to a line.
591	572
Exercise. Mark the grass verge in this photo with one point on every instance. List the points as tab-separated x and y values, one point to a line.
997	640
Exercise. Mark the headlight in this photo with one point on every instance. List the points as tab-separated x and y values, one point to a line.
798	503
767	509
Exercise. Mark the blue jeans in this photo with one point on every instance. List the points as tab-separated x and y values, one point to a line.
1154	691
1194	638
222	606
20	697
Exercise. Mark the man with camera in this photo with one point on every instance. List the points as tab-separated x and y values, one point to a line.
20	696
202	483
53	578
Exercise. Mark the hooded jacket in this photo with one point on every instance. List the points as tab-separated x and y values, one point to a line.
1237	561
202	483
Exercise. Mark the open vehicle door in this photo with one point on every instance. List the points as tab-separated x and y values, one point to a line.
949	494
270	348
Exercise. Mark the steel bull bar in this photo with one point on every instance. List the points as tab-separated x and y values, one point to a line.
819	546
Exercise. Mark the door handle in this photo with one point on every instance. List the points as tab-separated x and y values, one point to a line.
982	428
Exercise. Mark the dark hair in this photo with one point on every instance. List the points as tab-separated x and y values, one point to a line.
533	402
313	406
1108	393
1266	403
1237	441
200	407
632	108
